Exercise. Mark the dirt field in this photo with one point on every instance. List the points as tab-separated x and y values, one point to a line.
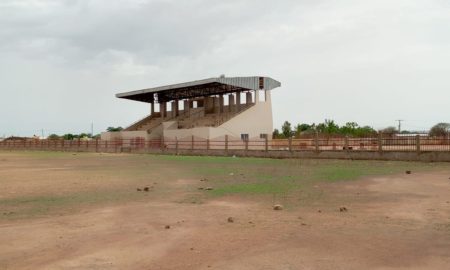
83	211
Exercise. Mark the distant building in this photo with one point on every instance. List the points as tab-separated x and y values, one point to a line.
239	107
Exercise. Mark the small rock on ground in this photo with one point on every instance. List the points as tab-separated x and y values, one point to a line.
167	227
230	220
343	209
408	172
208	188
277	207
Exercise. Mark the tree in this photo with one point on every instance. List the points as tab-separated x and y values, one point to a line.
328	127
390	130
114	129
53	137
286	129
69	136
440	130
276	134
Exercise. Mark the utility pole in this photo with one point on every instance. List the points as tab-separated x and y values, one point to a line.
400	125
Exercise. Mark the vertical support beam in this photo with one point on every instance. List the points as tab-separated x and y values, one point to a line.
176	145
221	104
380	142
192	143
162	109
162	146
266	145
187	107
207	144
256	96
248	98
177	107
96	145
290	144
418	144
346	143
246	145
173	112
230	103
152	108
238	101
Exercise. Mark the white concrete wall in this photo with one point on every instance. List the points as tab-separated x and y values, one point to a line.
254	121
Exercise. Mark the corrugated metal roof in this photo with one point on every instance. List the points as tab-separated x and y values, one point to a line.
250	83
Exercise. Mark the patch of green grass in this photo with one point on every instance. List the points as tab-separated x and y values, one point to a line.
262	188
40	205
218	160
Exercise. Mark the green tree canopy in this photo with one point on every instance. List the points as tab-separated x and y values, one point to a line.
53	137
440	130
286	129
114	129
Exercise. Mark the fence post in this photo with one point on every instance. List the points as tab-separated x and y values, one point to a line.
96	145
226	143
380	142
246	145
316	141
418	143
346	143
207	144
266	141
290	144
162	144
176	145
192	143
62	145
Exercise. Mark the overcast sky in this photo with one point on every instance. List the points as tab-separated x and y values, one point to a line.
62	61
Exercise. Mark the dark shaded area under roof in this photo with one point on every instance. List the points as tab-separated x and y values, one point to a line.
186	92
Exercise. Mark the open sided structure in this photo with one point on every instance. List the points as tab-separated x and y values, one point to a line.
239	107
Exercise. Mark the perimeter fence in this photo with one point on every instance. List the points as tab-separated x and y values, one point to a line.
317	144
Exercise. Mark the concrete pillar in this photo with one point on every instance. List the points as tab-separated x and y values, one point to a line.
172	113
238	101
187	106
152	108
248	98
163	109
256	96
176	109
221	104
231	103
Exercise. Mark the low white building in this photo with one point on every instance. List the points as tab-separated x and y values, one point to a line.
239	107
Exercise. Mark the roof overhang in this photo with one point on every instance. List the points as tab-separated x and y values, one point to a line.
207	87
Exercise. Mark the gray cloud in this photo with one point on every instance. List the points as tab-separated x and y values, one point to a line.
365	61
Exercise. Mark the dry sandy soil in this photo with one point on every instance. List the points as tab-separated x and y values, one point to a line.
394	221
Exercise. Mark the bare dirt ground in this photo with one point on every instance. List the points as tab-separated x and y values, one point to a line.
394	221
